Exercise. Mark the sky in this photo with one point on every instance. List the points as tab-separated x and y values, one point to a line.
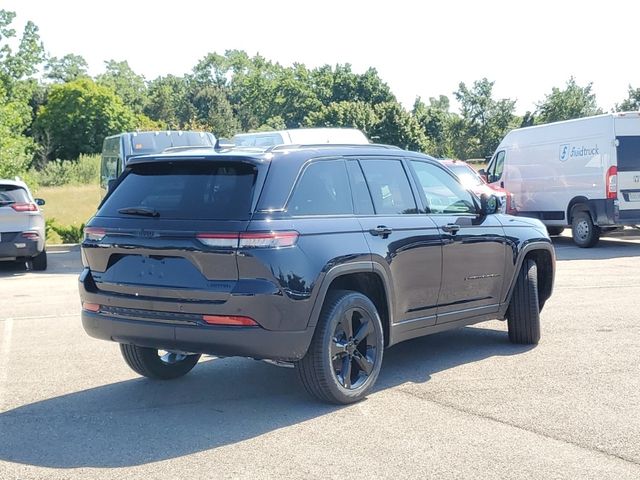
419	48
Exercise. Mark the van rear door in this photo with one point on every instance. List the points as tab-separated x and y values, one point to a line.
628	153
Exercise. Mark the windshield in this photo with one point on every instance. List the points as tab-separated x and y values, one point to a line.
156	142
10	194
185	191
467	175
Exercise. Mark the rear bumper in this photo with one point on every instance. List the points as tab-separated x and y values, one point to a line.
254	342
19	247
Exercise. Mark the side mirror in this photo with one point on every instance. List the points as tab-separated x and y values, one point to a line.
111	183
39	201
483	173
489	204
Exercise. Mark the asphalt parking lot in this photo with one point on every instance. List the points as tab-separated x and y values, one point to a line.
462	404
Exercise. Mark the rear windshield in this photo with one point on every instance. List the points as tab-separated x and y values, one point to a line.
10	194
185	191
151	142
628	154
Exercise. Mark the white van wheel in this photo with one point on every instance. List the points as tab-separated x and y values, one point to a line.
585	233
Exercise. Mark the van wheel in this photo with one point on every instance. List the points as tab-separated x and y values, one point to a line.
523	314
157	364
585	233
39	262
344	358
555	231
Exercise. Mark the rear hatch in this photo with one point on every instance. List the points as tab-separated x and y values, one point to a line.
15	210
628	166
167	231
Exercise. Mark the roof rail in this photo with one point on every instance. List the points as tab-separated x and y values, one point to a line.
276	148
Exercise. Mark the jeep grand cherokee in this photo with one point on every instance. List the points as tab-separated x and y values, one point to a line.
321	256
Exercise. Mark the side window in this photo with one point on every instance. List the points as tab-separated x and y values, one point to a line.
389	187
323	189
494	171
442	191
361	197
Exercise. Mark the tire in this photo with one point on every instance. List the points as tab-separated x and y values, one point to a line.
555	231
585	233
333	350
523	314
39	262
148	363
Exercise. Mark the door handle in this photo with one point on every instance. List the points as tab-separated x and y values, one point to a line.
501	184
451	228
381	231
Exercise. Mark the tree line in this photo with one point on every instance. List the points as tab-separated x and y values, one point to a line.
51	108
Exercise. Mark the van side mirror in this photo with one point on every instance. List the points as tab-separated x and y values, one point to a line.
111	184
39	201
489	204
483	173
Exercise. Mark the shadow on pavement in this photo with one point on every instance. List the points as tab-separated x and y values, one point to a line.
608	247
65	261
222	402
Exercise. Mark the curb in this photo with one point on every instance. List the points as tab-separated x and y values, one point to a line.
64	247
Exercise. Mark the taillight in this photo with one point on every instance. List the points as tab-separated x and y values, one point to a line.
249	239
220	240
231	320
268	239
30	235
612	182
25	207
93	233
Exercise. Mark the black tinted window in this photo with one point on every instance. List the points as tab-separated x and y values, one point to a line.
389	187
323	189
208	191
628	154
12	194
361	197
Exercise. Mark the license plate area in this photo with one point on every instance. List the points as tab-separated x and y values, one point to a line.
633	196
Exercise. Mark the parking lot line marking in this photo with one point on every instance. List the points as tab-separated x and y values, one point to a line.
35	317
5	347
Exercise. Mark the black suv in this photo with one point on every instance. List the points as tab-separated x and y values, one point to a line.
320	256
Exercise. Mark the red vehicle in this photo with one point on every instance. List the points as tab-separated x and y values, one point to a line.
473	181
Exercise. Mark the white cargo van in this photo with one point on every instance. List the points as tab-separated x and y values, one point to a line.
301	136
582	173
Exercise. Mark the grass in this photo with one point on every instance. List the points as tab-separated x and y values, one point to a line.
69	205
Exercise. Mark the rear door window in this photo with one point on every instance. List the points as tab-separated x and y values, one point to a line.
323	189
629	154
10	194
389	187
186	191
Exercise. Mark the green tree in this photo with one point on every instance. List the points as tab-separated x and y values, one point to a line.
631	103
213	112
15	149
435	119
79	115
168	101
483	122
128	85
23	62
386	122
66	69
573	101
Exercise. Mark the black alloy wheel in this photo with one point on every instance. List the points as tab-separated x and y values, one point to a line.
344	359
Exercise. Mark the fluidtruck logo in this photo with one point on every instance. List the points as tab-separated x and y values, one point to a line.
568	151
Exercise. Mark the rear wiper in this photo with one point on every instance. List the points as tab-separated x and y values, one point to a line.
142	211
